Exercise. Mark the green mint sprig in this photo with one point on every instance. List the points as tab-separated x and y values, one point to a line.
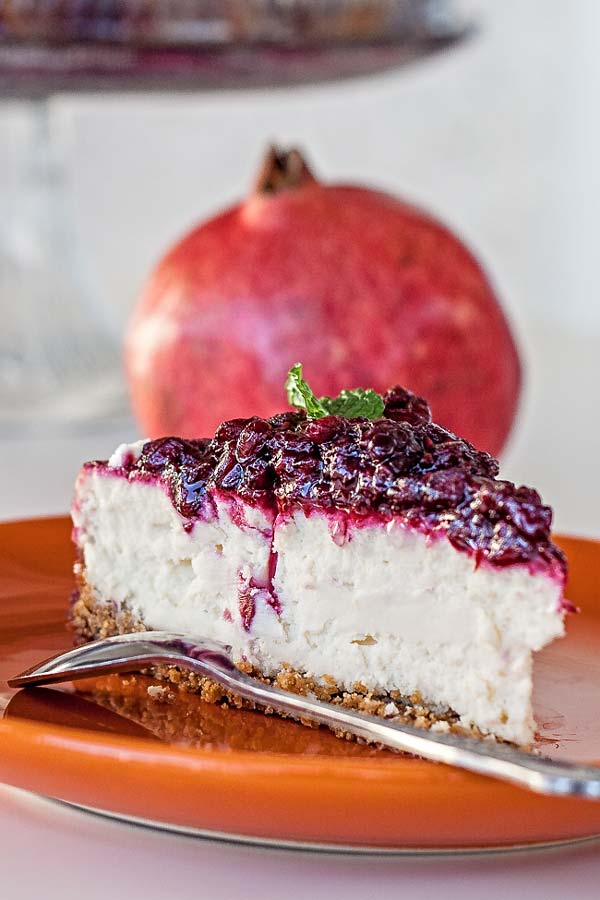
352	404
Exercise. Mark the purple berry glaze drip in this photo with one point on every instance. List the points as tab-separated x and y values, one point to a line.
402	465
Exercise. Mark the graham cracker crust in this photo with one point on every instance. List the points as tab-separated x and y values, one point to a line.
181	718
93	620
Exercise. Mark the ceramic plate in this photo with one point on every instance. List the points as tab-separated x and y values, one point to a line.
154	756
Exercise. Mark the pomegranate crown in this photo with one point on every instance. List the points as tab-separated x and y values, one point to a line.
282	170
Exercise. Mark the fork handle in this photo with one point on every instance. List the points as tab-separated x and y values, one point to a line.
133	652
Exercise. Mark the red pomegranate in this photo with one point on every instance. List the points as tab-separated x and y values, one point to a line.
366	290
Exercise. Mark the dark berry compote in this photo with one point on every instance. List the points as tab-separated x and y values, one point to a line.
401	466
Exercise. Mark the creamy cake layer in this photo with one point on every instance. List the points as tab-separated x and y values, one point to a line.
324	593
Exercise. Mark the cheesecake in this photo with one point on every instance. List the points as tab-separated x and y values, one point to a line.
350	548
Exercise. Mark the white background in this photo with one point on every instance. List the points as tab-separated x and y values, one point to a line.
501	138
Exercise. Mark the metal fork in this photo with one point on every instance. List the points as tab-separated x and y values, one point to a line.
141	650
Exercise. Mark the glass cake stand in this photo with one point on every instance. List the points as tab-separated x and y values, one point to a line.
60	360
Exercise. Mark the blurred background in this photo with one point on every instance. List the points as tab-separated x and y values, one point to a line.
499	136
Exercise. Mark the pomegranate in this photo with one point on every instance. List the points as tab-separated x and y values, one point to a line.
365	289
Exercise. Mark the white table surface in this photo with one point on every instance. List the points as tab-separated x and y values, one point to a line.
50	851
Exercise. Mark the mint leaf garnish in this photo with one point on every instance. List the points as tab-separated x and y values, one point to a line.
300	395
352	404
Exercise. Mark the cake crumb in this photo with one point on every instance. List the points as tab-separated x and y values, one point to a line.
441	726
159	692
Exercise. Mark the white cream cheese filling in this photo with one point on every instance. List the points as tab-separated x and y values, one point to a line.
387	607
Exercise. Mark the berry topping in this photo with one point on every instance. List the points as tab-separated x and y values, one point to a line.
400	465
402	406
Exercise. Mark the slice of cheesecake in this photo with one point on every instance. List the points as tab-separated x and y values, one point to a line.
377	562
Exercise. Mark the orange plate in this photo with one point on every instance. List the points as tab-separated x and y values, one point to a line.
175	760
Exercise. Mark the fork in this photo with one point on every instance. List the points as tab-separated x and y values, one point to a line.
141	650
